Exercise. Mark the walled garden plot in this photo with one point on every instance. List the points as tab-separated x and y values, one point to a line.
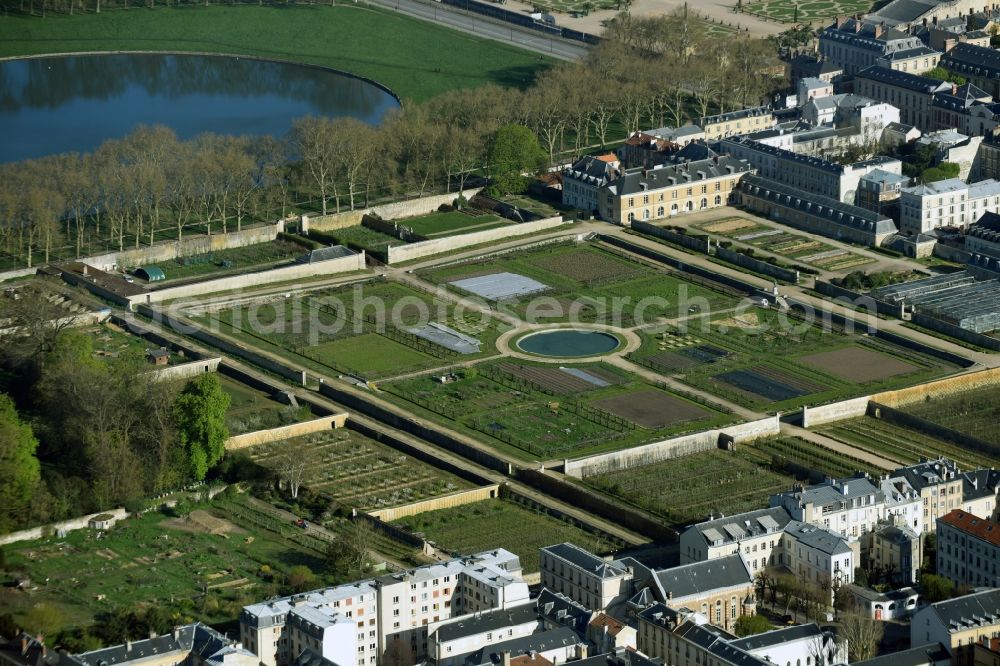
974	413
451	223
237	259
250	409
902	444
763	359
368	330
356	471
542	411
796	247
584	279
687	489
491	523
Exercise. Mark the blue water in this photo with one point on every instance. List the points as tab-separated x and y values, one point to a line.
568	343
75	103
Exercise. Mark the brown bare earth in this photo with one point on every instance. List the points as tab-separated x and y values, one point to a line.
727	226
651	409
202	522
549	379
858	365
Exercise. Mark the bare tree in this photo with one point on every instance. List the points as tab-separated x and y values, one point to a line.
291	466
862	634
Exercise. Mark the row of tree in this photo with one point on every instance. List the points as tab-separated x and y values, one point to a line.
150	185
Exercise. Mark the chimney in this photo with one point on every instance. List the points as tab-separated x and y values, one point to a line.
505	658
128	645
840	21
879	29
857	25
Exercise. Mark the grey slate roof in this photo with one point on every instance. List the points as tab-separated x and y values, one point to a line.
903	11
591	170
752	112
494	620
557	608
717	642
586	560
923	655
752	523
546	640
914	82
692	580
781	153
193	639
981	608
632	181
310	658
972	60
778	636
980	482
620	657
927	473
835	211
835	492
818	538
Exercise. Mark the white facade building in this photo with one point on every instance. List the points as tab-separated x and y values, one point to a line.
946	203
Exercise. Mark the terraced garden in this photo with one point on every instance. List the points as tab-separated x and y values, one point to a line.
588	282
687	489
356	471
502	523
764	359
902	444
250	409
540	412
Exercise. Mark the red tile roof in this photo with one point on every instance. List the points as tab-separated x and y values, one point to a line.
987	530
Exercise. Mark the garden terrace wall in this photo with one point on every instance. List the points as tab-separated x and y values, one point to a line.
392	531
401	253
858	299
649	454
17	273
957	332
169	250
701	244
392	211
757	265
55	528
938	388
448	501
837	411
354	262
249	439
185	370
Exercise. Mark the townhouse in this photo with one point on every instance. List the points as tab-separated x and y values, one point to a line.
721	589
586	578
668	190
817	555
853	44
910	93
355	624
756	534
946	203
738	122
893	550
939	485
958	624
968	549
585	178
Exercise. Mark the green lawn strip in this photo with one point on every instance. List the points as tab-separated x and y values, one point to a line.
490	524
440	223
233	260
368	354
414	58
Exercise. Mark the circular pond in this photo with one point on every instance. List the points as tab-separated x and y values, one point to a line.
568	343
74	103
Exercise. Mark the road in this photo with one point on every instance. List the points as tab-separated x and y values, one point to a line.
477	24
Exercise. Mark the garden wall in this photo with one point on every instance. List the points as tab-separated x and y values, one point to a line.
249	439
185	370
17	273
837	411
670	448
701	244
401	253
938	388
858	299
390	211
932	429
55	528
757	265
355	262
188	247
449	501
957	332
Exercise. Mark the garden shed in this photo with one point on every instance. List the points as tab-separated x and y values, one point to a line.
150	273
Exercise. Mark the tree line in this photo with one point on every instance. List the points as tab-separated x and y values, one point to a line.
151	186
80	434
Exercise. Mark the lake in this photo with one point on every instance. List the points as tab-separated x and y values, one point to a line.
74	103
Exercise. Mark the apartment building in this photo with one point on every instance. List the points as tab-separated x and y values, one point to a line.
939	485
810	175
668	190
456	636
849	506
188	645
738	122
946	203
854	45
754	534
894	549
879	192
721	589
959	624
585	178
968	549
586	578
360	620
912	94
979	64
680	637
817	555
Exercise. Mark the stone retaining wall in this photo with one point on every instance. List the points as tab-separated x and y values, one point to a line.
400	253
185	370
449	501
938	388
392	211
837	411
256	437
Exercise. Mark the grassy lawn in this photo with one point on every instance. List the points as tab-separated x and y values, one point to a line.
499	523
539	411
759	360
416	59
250	409
359	472
158	559
445	224
689	488
368	354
